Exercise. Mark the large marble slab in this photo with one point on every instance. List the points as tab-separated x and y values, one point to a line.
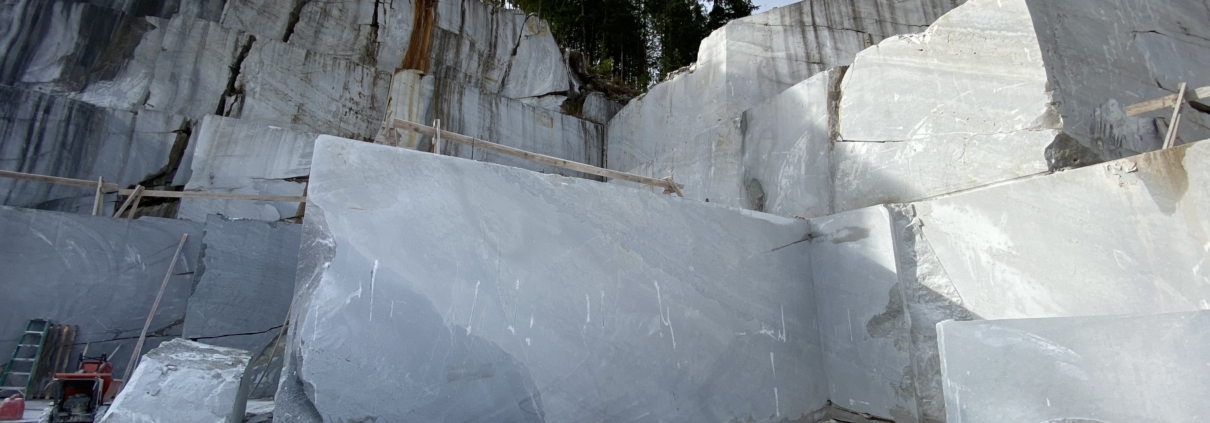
863	323
451	290
1078	369
751	60
186	382
1118	238
101	274
961	105
245	284
238	156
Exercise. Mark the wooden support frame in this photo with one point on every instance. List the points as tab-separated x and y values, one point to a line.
109	188
1175	124
666	184
138	192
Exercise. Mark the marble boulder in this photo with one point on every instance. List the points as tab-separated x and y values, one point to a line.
184	381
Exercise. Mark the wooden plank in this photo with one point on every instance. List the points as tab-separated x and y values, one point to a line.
138	346
539	158
138	190
100	198
110	188
1175	123
1161	103
138	196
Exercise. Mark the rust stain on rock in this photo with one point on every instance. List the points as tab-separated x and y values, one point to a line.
417	55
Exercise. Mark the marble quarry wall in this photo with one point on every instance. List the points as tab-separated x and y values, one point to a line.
508	295
991	92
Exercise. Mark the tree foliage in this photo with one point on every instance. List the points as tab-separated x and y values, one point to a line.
633	42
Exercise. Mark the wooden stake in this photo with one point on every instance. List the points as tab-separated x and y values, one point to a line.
138	190
1175	123
437	139
100	198
134	356
544	159
138	196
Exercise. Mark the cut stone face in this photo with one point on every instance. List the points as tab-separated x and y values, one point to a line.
863	325
244	290
57	136
451	290
184	381
237	156
99	273
751	60
1077	369
474	113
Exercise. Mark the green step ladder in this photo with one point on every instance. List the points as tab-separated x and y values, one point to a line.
19	373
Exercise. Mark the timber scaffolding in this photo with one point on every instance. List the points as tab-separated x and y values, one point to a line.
138	192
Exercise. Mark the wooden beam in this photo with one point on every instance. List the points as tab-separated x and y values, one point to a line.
1175	124
539	158
110	188
99	201
138	191
1161	103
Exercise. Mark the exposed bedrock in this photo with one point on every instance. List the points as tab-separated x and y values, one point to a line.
583	301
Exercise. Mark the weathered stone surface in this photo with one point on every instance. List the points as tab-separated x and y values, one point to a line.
506	295
1030	249
245	285
184	381
238	156
340	97
863	325
210	10
51	135
1097	68
500	51
787	147
99	273
105	57
751	60
961	105
471	112
1086	369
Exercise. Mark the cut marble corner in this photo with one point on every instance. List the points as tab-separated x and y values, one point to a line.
564	279
1075	368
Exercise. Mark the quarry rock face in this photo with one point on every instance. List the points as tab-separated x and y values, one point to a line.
97	273
184	381
241	157
1069	369
472	112
708	315
747	62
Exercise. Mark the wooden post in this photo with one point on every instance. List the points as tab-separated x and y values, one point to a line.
437	138
534	157
138	190
138	196
138	346
1174	124
100	198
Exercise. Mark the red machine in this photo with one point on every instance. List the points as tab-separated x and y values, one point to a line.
79	395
